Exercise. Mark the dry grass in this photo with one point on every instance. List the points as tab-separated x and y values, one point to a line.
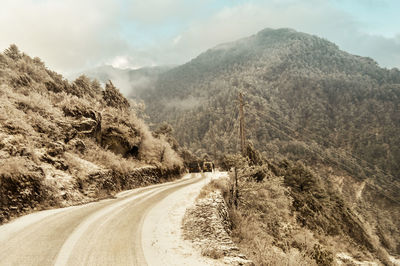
261	247
221	184
212	252
109	160
14	167
265	228
268	224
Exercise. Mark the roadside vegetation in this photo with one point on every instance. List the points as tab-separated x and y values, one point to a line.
283	213
64	143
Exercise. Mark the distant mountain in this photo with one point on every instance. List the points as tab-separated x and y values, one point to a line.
305	100
129	81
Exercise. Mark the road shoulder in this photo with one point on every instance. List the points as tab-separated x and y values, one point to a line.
162	238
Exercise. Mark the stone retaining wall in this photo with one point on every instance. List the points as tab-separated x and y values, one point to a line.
207	225
31	192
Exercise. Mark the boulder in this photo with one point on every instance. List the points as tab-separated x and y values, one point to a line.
77	144
55	148
121	142
87	121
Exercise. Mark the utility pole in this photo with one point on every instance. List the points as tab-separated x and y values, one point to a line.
242	128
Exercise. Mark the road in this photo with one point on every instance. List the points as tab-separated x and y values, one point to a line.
108	232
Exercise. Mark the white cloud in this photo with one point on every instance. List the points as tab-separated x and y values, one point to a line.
177	39
71	35
315	17
120	62
67	35
156	12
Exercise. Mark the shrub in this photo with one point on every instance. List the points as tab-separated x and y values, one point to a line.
13	52
114	98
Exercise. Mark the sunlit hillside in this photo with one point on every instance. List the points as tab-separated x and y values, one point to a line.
65	143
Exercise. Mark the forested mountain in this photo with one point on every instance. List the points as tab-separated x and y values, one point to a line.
289	78
305	100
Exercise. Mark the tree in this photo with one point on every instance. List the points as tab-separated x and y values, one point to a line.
114	98
235	161
253	154
13	52
165	129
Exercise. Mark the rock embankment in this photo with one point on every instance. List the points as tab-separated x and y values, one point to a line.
38	192
207	225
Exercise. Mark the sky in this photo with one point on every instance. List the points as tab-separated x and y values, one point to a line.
73	35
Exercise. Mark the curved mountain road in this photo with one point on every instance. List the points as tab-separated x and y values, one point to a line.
107	232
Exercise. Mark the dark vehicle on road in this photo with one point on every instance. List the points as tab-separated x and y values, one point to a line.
207	167
194	167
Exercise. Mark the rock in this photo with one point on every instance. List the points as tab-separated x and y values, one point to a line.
20	190
78	144
85	126
58	163
88	122
55	148
119	142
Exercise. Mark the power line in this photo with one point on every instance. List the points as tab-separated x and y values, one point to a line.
337	157
332	144
335	161
306	147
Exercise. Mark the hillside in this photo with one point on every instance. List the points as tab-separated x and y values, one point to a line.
306	100
65	143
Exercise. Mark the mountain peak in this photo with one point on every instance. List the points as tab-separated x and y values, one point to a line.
279	30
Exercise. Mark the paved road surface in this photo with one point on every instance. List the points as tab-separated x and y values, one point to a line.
107	232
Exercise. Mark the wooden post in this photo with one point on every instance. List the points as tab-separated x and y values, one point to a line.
236	196
242	126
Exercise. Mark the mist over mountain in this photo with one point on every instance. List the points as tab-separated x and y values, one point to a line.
131	82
